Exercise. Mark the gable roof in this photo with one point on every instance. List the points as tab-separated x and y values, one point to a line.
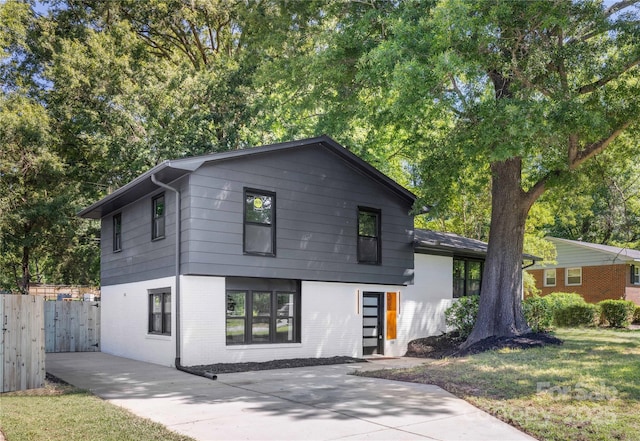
436	242
171	170
616	253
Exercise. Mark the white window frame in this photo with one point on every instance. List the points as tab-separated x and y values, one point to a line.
545	277
566	276
636	274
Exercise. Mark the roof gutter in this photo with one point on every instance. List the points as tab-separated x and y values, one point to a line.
177	363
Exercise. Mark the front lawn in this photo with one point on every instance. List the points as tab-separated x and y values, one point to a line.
65	413
586	389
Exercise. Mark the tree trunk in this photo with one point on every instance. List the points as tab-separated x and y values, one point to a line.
26	274
500	312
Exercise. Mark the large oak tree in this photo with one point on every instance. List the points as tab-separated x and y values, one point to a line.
527	91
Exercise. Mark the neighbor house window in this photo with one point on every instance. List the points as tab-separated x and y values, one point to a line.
157	217
573	276
117	232
263	313
259	222
160	312
635	274
369	236
550	277
467	277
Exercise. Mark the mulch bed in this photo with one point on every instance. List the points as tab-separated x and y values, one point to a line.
228	368
448	345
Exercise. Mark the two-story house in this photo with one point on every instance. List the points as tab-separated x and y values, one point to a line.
291	250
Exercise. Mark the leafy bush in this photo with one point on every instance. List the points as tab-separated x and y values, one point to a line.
560	300
617	313
462	315
584	314
538	313
529	284
636	315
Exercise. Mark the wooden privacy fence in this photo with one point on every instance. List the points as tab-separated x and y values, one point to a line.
22	364
72	326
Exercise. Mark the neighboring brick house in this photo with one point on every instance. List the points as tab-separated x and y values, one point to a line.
597	272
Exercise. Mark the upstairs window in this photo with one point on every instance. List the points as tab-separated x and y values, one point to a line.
573	276
259	222
467	277
369	236
117	232
550	277
635	274
157	217
160	312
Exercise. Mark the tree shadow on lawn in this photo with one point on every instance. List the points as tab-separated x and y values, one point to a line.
507	370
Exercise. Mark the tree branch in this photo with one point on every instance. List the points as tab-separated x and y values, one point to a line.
196	38
575	159
618	7
603	81
597	147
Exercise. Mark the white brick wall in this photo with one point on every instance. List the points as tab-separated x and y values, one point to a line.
124	322
331	315
423	303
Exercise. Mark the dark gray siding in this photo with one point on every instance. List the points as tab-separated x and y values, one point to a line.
140	258
317	198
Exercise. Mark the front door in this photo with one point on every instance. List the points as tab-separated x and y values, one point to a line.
372	323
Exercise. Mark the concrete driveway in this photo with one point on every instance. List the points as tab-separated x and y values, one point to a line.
314	403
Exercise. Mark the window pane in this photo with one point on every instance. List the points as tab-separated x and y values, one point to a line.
156	304
156	323
285	305
158	206
367	224
458	288
458	269
260	332
473	287
475	270
368	249
258	208
474	276
258	239
236	303
261	304
167	323
574	276
284	330
550	277
158	227
235	331
117	232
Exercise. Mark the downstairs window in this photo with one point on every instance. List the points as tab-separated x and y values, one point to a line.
262	311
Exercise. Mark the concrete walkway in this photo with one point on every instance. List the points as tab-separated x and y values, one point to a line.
314	403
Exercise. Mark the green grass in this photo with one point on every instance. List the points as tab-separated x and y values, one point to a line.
587	389
60	412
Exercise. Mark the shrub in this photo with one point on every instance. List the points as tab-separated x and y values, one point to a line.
529	284
538	313
584	314
617	313
462	315
636	315
560	300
